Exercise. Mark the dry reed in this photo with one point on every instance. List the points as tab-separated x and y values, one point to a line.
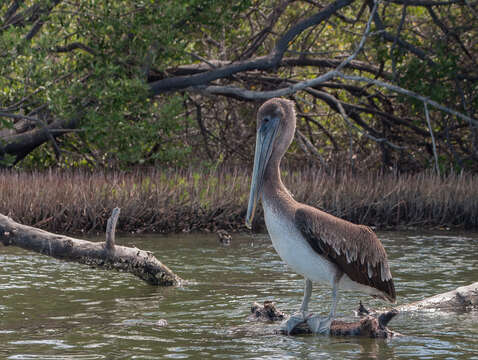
191	200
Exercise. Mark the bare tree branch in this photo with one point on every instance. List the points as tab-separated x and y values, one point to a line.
399	30
262	95
262	35
309	118
12	9
42	125
74	46
352	125
22	144
423	2
262	63
18	18
253	95
410	93
192	69
39	20
394	39
204	132
435	155
308	145
447	32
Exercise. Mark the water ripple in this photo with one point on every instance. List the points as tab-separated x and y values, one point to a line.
55	310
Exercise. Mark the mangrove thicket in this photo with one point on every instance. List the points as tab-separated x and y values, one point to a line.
386	84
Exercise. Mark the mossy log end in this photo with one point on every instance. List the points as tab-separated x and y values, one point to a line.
103	254
367	326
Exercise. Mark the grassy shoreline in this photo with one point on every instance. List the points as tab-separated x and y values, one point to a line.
205	200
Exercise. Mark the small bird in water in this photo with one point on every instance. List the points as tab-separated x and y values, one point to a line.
224	237
317	245
362	310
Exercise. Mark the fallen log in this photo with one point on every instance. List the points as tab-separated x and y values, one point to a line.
374	324
464	298
98	254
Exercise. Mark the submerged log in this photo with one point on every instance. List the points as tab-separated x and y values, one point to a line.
374	324
98	254
464	298
368	326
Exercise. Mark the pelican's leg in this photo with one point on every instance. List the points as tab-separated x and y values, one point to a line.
334	299
300	317
322	326
304	307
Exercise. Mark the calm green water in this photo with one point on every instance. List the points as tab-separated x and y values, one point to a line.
56	310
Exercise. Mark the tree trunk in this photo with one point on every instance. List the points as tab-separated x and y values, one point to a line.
99	254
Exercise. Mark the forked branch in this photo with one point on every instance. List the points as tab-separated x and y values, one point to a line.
98	254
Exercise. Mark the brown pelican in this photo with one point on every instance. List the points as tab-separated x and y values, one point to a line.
317	245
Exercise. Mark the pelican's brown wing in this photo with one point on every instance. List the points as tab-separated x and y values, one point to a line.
355	249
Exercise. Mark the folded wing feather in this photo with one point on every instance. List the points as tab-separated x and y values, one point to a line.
355	249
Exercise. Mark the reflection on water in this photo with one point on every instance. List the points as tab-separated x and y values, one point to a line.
55	310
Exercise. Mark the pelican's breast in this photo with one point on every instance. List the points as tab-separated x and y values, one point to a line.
293	248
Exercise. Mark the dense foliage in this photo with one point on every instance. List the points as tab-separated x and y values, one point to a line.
120	83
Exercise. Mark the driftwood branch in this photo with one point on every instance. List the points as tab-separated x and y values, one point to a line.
464	298
374	325
98	254
110	229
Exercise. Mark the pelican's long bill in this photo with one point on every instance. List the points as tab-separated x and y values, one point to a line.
264	144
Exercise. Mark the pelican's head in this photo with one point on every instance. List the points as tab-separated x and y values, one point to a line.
275	131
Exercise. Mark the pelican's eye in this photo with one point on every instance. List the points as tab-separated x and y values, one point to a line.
266	119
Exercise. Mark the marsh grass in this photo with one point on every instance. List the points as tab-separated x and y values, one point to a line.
190	200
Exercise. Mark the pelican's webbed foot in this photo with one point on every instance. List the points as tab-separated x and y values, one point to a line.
291	323
319	325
